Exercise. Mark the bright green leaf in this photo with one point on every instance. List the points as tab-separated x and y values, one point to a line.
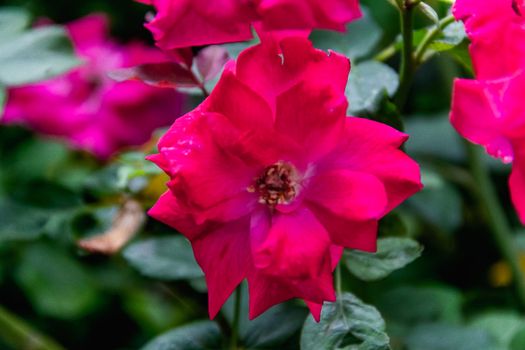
346	324
367	85
393	253
56	284
203	335
360	38
165	258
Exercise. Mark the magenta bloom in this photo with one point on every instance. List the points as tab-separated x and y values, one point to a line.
182	23
270	179
497	32
87	108
489	111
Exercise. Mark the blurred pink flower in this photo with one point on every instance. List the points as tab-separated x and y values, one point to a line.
182	23
87	108
497	32
270	179
489	111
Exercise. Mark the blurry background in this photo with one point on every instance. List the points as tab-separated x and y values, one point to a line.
456	296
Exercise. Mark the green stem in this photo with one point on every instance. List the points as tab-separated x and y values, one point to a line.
499	225
20	336
234	344
406	14
338	281
205	92
386	53
429	37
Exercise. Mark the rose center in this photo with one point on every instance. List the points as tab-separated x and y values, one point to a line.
277	185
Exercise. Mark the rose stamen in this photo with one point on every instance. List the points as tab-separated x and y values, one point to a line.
277	185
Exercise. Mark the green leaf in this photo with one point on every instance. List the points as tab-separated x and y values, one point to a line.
413	305
393	253
452	40
518	340
55	284
203	335
12	21
367	85
462	55
447	337
439	202
234	49
501	325
451	36
151	310
261	333
20	222
3	100
104	182
32	55
360	38
92	221
165	258
135	172
346	324
429	134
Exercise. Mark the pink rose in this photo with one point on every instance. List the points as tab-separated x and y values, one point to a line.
270	180
182	23
490	111
497	32
87	108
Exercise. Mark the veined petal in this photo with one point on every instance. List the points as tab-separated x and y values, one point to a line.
274	66
224	256
302	122
295	247
190	23
168	211
268	290
371	147
352	234
349	194
242	106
